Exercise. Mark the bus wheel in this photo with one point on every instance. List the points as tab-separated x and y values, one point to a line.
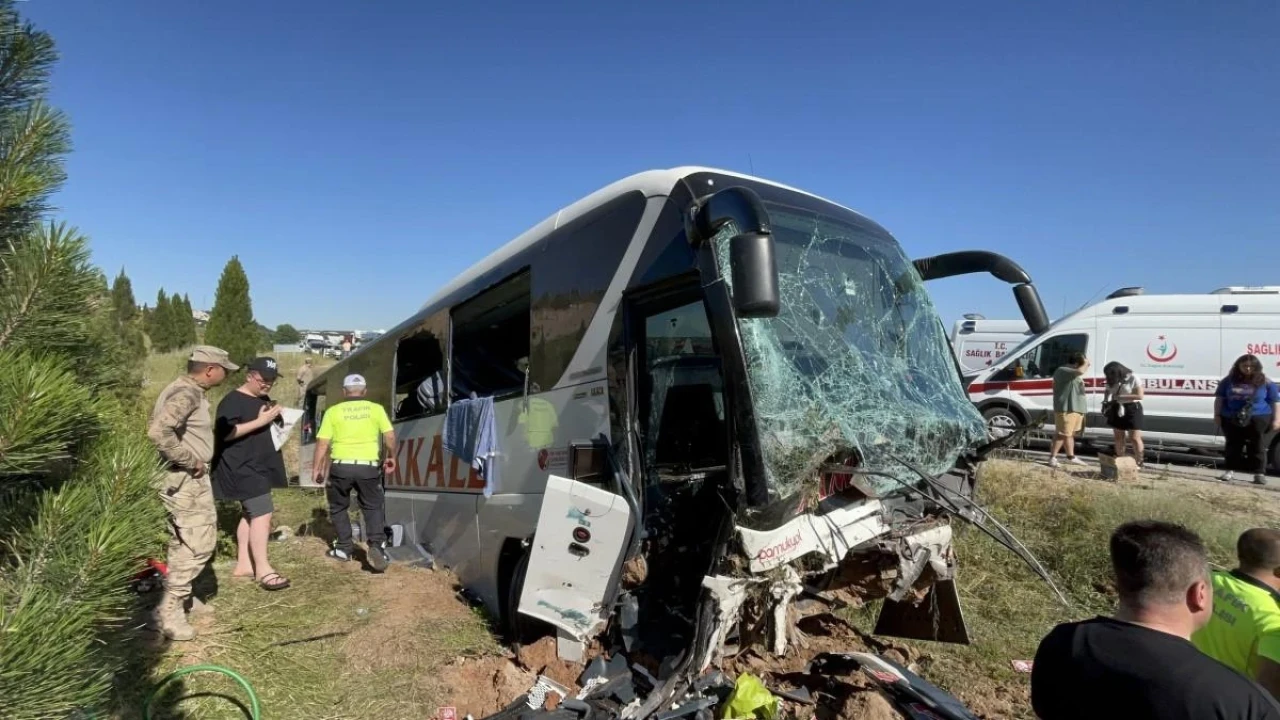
1001	422
520	629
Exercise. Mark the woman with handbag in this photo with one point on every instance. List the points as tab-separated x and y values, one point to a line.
1245	409
1122	407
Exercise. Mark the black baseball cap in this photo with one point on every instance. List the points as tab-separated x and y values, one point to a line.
266	367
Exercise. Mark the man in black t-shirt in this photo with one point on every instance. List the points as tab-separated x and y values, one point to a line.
246	465
1141	664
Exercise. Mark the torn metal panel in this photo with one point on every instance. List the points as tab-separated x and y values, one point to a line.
930	549
833	534
857	358
783	592
728	594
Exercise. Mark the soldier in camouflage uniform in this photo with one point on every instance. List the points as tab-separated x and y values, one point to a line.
182	430
305	374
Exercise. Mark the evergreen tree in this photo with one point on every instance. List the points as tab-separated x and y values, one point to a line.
77	507
189	320
287	334
122	299
127	318
231	325
161	326
34	138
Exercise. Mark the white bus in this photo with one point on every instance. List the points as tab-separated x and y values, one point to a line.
708	379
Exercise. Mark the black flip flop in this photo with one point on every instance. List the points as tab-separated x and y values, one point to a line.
265	585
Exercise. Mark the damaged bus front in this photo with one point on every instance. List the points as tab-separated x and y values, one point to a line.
787	434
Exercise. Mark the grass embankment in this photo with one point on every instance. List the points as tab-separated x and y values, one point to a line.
340	643
1065	519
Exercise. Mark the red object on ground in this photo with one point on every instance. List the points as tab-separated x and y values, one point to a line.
153	565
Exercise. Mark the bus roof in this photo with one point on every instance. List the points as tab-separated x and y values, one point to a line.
651	183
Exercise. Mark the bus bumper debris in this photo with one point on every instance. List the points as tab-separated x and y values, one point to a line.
772	622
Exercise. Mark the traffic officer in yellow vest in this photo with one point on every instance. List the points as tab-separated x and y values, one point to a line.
349	434
1244	630
182	430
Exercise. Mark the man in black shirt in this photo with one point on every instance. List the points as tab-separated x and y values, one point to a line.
246	464
1141	663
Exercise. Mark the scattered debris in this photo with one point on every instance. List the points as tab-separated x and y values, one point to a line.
540	696
751	699
1021	666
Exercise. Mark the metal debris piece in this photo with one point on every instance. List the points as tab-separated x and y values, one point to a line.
595	670
713	681
929	549
689	708
783	592
800	695
729	594
536	698
629	617
910	693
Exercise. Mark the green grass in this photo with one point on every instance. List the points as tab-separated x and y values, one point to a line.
340	643
1065	521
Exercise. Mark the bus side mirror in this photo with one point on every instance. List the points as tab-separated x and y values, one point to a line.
755	275
752	265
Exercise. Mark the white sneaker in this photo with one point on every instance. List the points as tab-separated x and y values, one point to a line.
1076	461
1227	476
1053	463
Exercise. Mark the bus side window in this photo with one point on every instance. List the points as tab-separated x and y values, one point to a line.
490	343
420	371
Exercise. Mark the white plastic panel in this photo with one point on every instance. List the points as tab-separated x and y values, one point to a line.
576	555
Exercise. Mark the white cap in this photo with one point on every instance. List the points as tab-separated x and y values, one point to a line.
353	381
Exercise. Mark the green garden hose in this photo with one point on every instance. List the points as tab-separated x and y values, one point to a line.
254	708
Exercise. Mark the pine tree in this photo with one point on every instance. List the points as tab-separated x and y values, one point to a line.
128	319
189	320
34	138
122	299
173	331
161	328
77	507
231	325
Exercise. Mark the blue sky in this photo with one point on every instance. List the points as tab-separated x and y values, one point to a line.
358	155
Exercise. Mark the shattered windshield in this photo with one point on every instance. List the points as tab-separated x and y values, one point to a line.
857	358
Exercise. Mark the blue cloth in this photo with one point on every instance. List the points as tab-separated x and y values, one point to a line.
471	435
1236	395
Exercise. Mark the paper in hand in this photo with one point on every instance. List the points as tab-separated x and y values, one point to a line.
280	432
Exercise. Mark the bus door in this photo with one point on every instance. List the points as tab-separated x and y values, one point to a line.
583	532
312	412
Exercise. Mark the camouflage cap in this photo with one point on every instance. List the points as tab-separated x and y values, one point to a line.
212	355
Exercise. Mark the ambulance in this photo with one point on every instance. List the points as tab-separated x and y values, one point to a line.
979	343
1180	346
